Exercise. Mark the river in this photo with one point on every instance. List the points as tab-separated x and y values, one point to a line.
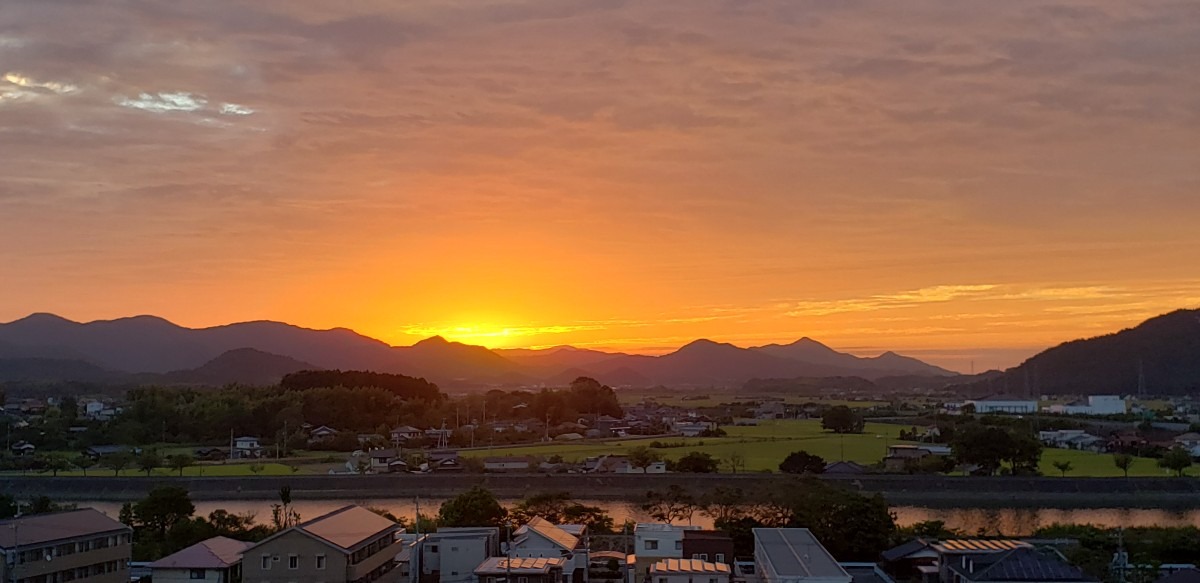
989	521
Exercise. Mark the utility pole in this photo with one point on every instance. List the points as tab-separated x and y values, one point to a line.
508	552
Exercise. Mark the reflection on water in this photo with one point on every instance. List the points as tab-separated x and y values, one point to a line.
988	521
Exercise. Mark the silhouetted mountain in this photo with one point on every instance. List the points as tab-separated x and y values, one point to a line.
245	366
55	369
147	344
1164	351
813	352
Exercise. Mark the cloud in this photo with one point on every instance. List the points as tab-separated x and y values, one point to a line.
235	109
164	102
26	82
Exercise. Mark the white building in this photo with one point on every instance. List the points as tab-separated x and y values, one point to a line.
794	555
216	560
506	464
542	539
653	542
992	405
451	555
1094	405
689	571
1072	439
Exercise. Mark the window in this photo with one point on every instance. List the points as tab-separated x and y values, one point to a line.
522	579
320	561
266	562
720	557
679	545
196	574
702	556
651	545
293	562
433	548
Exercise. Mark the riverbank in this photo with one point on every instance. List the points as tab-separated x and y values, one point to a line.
927	491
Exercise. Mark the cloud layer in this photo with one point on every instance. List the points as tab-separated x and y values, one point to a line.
542	165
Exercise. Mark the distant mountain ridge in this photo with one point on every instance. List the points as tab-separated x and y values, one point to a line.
256	352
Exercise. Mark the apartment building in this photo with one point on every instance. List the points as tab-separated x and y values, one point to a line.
77	545
451	555
349	545
216	560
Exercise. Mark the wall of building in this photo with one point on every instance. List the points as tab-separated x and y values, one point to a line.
185	576
306	550
109	564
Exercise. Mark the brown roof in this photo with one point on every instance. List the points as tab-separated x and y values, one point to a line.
44	528
688	566
345	528
978	545
551	532
524	566
215	553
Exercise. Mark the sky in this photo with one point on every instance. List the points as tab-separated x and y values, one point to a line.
966	182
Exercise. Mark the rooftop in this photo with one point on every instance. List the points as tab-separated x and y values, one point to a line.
867	573
795	552
978	545
520	566
215	553
687	566
44	528
1021	564
550	531
348	527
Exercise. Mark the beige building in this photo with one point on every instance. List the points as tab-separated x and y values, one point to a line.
216	560
77	545
349	545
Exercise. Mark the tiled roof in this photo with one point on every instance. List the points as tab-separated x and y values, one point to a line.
1023	564
519	566
215	553
348	527
688	566
978	545
44	528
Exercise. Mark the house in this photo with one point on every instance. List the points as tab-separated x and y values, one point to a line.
385	460
246	447
708	545
451	555
212	454
653	542
1023	565
1186	575
845	468
1003	405
23	448
348	544
1188	440
866	573
506	464
404	433
216	560
98	451
1072	439
1093	405
900	456
912	561
539	538
689	571
794	555
693	427
619	464
76	545
770	410
322	433
540	570
963	552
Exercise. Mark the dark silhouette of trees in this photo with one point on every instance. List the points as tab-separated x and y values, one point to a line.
802	462
841	419
697	462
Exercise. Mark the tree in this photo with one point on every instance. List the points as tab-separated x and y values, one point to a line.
1063	466
257	468
55	463
841	419
852	527
697	462
1177	460
180	462
735	460
724	504
8	506
83	462
283	516
559	508
117	462
990	447
475	507
1123	461
642	457
674	503
162	508
802	462
149	461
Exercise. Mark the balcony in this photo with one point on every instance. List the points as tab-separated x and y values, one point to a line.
387	555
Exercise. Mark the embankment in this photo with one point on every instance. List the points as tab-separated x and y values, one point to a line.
928	491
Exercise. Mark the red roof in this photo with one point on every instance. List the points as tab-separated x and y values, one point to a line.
215	553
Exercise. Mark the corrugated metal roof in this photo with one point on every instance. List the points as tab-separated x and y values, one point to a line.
688	566
795	552
1023	564
215	553
979	545
348	527
44	528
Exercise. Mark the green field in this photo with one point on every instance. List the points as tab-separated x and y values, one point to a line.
1098	465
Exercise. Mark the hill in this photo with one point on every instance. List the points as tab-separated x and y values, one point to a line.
246	366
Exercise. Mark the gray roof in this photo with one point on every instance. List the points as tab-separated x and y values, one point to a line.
44	528
795	552
867	573
1183	576
1022	564
904	550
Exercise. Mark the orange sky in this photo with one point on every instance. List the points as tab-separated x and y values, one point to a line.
959	182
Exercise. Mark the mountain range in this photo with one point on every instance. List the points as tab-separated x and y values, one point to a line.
148	349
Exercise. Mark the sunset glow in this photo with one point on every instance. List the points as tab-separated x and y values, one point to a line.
961	182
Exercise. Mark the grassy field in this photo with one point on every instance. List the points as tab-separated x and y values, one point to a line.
1098	465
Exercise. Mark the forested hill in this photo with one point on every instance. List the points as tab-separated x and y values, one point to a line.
1164	351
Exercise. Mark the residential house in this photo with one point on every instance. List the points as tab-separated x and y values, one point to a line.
387	460
653	542
689	571
963	551
246	447
866	573
98	451
914	560
521	570
1188	440
1093	405
404	433
1188	575
794	555
322	433
216	560
445	461
1020	565
708	545
539	538
451	555
350	544
82	546
506	464
845	468
900	456
1003	405
619	464
770	410
23	449
694	426
1077	439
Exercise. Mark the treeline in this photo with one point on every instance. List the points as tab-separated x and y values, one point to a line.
403	387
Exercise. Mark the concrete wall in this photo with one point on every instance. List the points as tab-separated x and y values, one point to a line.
185	576
306	550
